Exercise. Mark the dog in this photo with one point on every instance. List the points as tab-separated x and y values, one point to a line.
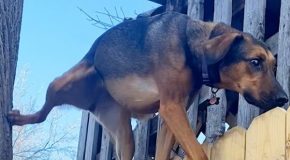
158	64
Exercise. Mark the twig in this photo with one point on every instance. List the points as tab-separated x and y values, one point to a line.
97	21
112	18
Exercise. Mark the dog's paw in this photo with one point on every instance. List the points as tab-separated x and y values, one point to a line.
14	117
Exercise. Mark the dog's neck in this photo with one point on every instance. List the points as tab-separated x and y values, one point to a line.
210	73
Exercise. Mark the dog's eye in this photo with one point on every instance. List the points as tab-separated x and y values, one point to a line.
256	63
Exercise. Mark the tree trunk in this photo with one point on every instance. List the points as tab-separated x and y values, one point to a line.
10	24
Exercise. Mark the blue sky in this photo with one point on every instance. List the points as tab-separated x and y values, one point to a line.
55	35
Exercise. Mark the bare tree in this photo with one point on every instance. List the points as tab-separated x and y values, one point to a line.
10	24
43	141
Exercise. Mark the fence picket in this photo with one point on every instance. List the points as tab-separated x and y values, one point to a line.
265	138
231	146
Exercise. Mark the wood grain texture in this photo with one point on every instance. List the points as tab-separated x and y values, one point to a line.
254	23
265	139
254	18
10	25
83	136
231	146
223	11
141	135
283	69
272	42
215	124
92	138
195	9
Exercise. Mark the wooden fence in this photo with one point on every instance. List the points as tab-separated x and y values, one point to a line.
267	138
267	20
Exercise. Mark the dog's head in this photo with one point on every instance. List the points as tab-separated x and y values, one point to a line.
245	65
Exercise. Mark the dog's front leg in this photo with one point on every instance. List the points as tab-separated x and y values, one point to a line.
175	117
165	142
174	88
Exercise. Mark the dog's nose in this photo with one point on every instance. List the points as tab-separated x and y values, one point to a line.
281	99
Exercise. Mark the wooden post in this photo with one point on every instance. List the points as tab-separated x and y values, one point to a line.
195	9
141	135
272	42
88	139
254	23
106	146
83	136
215	125
92	138
223	11
283	70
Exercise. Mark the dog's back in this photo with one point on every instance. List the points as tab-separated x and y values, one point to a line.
139	44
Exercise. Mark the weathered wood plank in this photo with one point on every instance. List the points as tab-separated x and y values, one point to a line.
83	136
215	125
231	146
106	147
195	9
141	134
246	112
265	137
272	42
92	138
254	23
284	48
223	11
254	18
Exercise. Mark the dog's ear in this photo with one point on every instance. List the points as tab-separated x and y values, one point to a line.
216	48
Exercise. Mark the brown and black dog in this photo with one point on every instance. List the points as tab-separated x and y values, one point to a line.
158	64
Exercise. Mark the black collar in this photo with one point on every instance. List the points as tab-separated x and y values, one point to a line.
210	73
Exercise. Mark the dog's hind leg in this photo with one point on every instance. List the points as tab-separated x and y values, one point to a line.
117	121
79	87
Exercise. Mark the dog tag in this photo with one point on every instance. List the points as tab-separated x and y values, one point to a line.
214	100
208	102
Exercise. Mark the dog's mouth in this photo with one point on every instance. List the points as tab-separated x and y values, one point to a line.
264	103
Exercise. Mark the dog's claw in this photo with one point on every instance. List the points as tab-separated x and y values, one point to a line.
13	116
